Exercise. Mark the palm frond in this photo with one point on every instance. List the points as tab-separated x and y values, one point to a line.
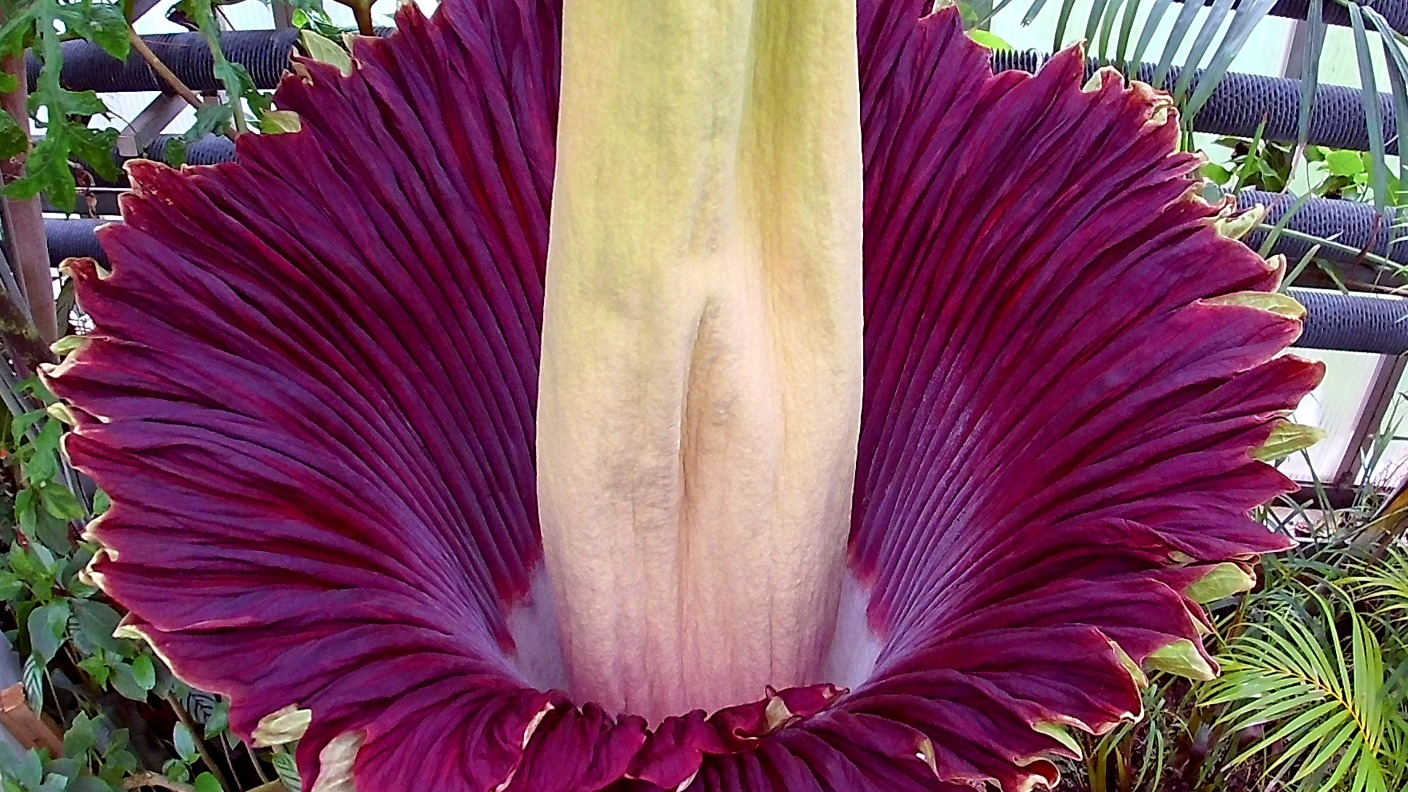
1385	584
1312	677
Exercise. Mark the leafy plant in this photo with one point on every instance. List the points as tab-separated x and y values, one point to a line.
1311	672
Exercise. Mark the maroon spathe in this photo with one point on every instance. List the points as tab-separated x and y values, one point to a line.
311	389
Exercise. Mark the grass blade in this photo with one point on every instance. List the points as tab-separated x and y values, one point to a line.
1201	42
1310	70
1398	82
1151	26
1246	19
1131	10
1093	20
1373	110
1186	15
1067	6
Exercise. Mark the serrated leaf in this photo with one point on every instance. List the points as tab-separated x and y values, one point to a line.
287	769
80	737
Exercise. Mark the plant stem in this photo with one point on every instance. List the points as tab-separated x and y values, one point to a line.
163	71
198	734
363	12
258	765
156	780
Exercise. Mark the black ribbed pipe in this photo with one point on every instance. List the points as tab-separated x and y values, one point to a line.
1348	322
1356	225
87	67
209	150
1240	102
1395	12
73	237
1236	108
1353	322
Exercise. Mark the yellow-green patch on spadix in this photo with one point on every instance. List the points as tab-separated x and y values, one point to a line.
701	365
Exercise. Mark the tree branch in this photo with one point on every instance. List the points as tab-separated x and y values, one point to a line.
24	221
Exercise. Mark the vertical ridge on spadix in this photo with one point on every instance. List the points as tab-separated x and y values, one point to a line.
700	389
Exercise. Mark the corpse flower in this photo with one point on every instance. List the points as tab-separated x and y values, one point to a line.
669	396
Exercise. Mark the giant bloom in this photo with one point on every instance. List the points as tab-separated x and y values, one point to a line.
707	553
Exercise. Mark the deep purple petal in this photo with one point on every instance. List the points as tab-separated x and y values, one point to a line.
310	395
1055	415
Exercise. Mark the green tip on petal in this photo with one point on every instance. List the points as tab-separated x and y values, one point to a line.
1220	582
1287	438
1181	658
1060	734
1237	226
67	344
1135	672
1271	302
61	413
282	726
278	122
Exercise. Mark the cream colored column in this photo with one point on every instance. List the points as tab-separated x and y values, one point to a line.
701	369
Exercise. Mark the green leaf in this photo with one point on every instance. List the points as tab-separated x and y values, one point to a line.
61	503
989	39
32	675
80	738
1186	16
47	626
328	51
219	721
287	768
25	510
205	782
30	771
1344	163
1151	25
96	668
134	680
95	622
1216	174
1248	16
22	423
185	743
144	672
104	24
88	783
